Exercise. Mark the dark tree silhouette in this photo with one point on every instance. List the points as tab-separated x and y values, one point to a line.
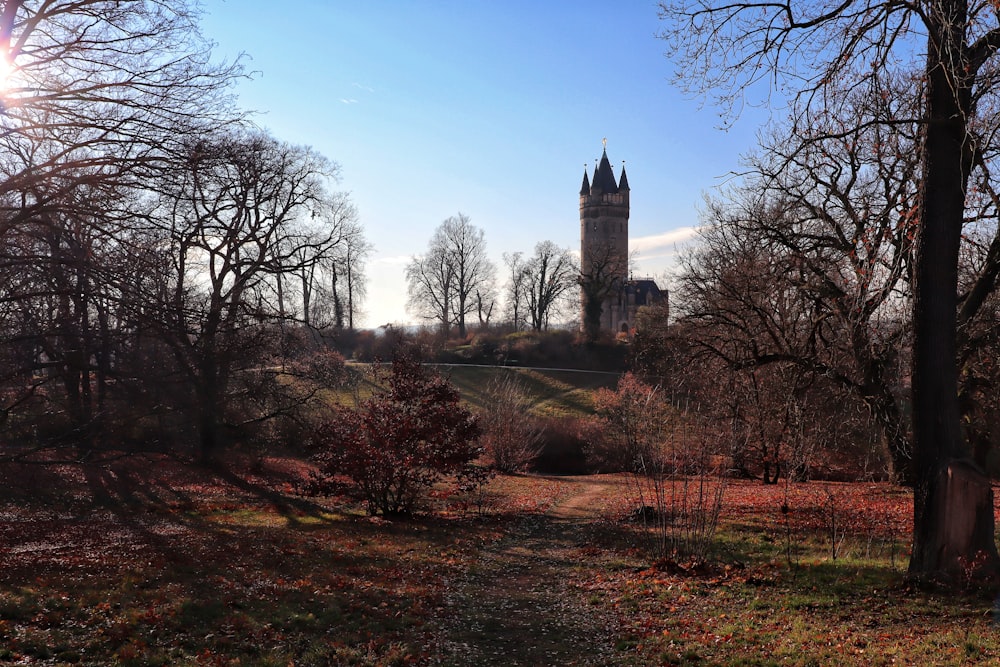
819	50
230	224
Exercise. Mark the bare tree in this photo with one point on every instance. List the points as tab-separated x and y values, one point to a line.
100	89
679	490
228	224
97	97
538	287
328	262
820	50
807	263
550	275
57	309
431	284
353	254
511	435
516	289
444	282
485	299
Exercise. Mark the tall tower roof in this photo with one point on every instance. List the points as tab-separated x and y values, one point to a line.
604	177
623	181
585	188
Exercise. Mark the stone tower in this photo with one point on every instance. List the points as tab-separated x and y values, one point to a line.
604	206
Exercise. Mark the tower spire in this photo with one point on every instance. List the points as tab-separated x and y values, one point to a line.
604	177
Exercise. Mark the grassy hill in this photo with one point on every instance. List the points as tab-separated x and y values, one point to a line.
553	392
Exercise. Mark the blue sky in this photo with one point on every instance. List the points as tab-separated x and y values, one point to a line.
484	107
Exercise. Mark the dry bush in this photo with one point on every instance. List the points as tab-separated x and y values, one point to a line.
676	479
511	435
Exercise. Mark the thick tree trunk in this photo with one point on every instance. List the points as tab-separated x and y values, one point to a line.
592	311
208	435
957	543
350	291
952	501
208	410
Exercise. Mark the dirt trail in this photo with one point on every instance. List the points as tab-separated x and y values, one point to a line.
580	505
517	603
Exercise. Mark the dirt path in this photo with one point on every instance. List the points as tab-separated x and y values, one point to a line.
517	603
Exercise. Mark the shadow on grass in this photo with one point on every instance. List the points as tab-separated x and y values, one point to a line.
290	507
199	562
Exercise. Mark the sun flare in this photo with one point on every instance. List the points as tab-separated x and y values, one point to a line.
7	71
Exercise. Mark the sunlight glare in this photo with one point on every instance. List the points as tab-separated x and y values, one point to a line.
7	70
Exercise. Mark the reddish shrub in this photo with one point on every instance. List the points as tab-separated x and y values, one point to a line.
400	441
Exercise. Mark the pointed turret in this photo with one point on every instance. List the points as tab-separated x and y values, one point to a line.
623	181
585	188
604	177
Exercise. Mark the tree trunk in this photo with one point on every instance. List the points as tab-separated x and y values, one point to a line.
886	412
338	306
209	406
461	314
350	291
592	311
280	285
208	434
952	500
306	281
957	543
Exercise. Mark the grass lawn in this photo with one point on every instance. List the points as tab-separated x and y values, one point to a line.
552	392
149	561
819	584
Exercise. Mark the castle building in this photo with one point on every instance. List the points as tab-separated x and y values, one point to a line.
604	258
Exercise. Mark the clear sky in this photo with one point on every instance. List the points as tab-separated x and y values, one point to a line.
488	108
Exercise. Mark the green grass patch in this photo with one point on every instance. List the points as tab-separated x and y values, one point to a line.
551	392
